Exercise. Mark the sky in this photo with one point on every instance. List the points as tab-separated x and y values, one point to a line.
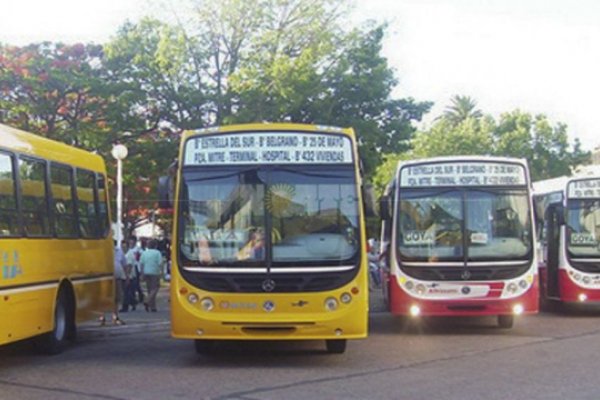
541	56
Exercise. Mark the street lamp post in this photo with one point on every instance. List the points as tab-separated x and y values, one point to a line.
119	152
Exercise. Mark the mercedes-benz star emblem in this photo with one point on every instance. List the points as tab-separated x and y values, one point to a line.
268	306
268	285
465	275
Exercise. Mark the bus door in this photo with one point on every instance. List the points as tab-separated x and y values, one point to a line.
554	218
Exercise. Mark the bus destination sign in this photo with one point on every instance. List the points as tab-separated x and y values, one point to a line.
465	173
268	147
584	189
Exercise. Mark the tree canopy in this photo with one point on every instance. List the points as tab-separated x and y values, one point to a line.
517	134
226	62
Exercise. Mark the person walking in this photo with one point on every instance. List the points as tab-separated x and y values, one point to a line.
132	256
120	277
151	271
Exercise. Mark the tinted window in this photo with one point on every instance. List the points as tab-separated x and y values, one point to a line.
8	203
86	204
102	206
63	205
32	174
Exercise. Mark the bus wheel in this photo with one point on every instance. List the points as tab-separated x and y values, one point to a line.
336	346
55	341
506	321
204	346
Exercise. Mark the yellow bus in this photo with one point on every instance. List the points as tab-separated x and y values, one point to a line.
269	236
55	245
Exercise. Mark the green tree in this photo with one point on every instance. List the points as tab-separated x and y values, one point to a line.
516	134
294	60
545	146
52	89
460	109
445	138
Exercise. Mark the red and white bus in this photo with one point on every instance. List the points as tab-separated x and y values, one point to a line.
458	239
568	215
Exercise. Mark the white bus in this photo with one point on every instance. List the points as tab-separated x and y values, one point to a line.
568	217
458	239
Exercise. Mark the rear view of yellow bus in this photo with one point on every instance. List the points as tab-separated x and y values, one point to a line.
268	236
55	247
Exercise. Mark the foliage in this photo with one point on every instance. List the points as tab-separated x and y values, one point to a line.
386	170
294	60
51	89
515	134
460	109
546	147
446	138
65	92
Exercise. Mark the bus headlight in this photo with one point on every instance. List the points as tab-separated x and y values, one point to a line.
192	298
523	283
421	288
409	285
586	280
518	309
331	304
512	287
414	310
346	298
207	304
577	277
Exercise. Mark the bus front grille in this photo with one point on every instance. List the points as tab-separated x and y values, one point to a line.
288	283
466	274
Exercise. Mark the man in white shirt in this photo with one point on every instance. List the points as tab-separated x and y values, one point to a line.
133	271
120	265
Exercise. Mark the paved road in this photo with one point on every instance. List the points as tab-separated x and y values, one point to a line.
548	356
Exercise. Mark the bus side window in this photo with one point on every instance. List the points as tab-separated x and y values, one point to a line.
32	175
86	204
63	203
102	206
9	225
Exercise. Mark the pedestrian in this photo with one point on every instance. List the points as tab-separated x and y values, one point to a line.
151	271
132	256
373	257
138	250
120	264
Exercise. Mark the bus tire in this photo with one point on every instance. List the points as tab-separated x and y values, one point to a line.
336	346
506	321
204	346
55	341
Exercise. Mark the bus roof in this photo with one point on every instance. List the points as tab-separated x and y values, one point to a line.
262	126
551	185
34	145
560	183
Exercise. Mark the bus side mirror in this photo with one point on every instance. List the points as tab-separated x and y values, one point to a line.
165	192
369	200
385	207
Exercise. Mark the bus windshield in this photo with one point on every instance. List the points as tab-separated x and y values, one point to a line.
436	225
277	216
583	221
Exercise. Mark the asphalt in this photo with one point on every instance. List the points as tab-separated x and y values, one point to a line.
137	321
141	321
